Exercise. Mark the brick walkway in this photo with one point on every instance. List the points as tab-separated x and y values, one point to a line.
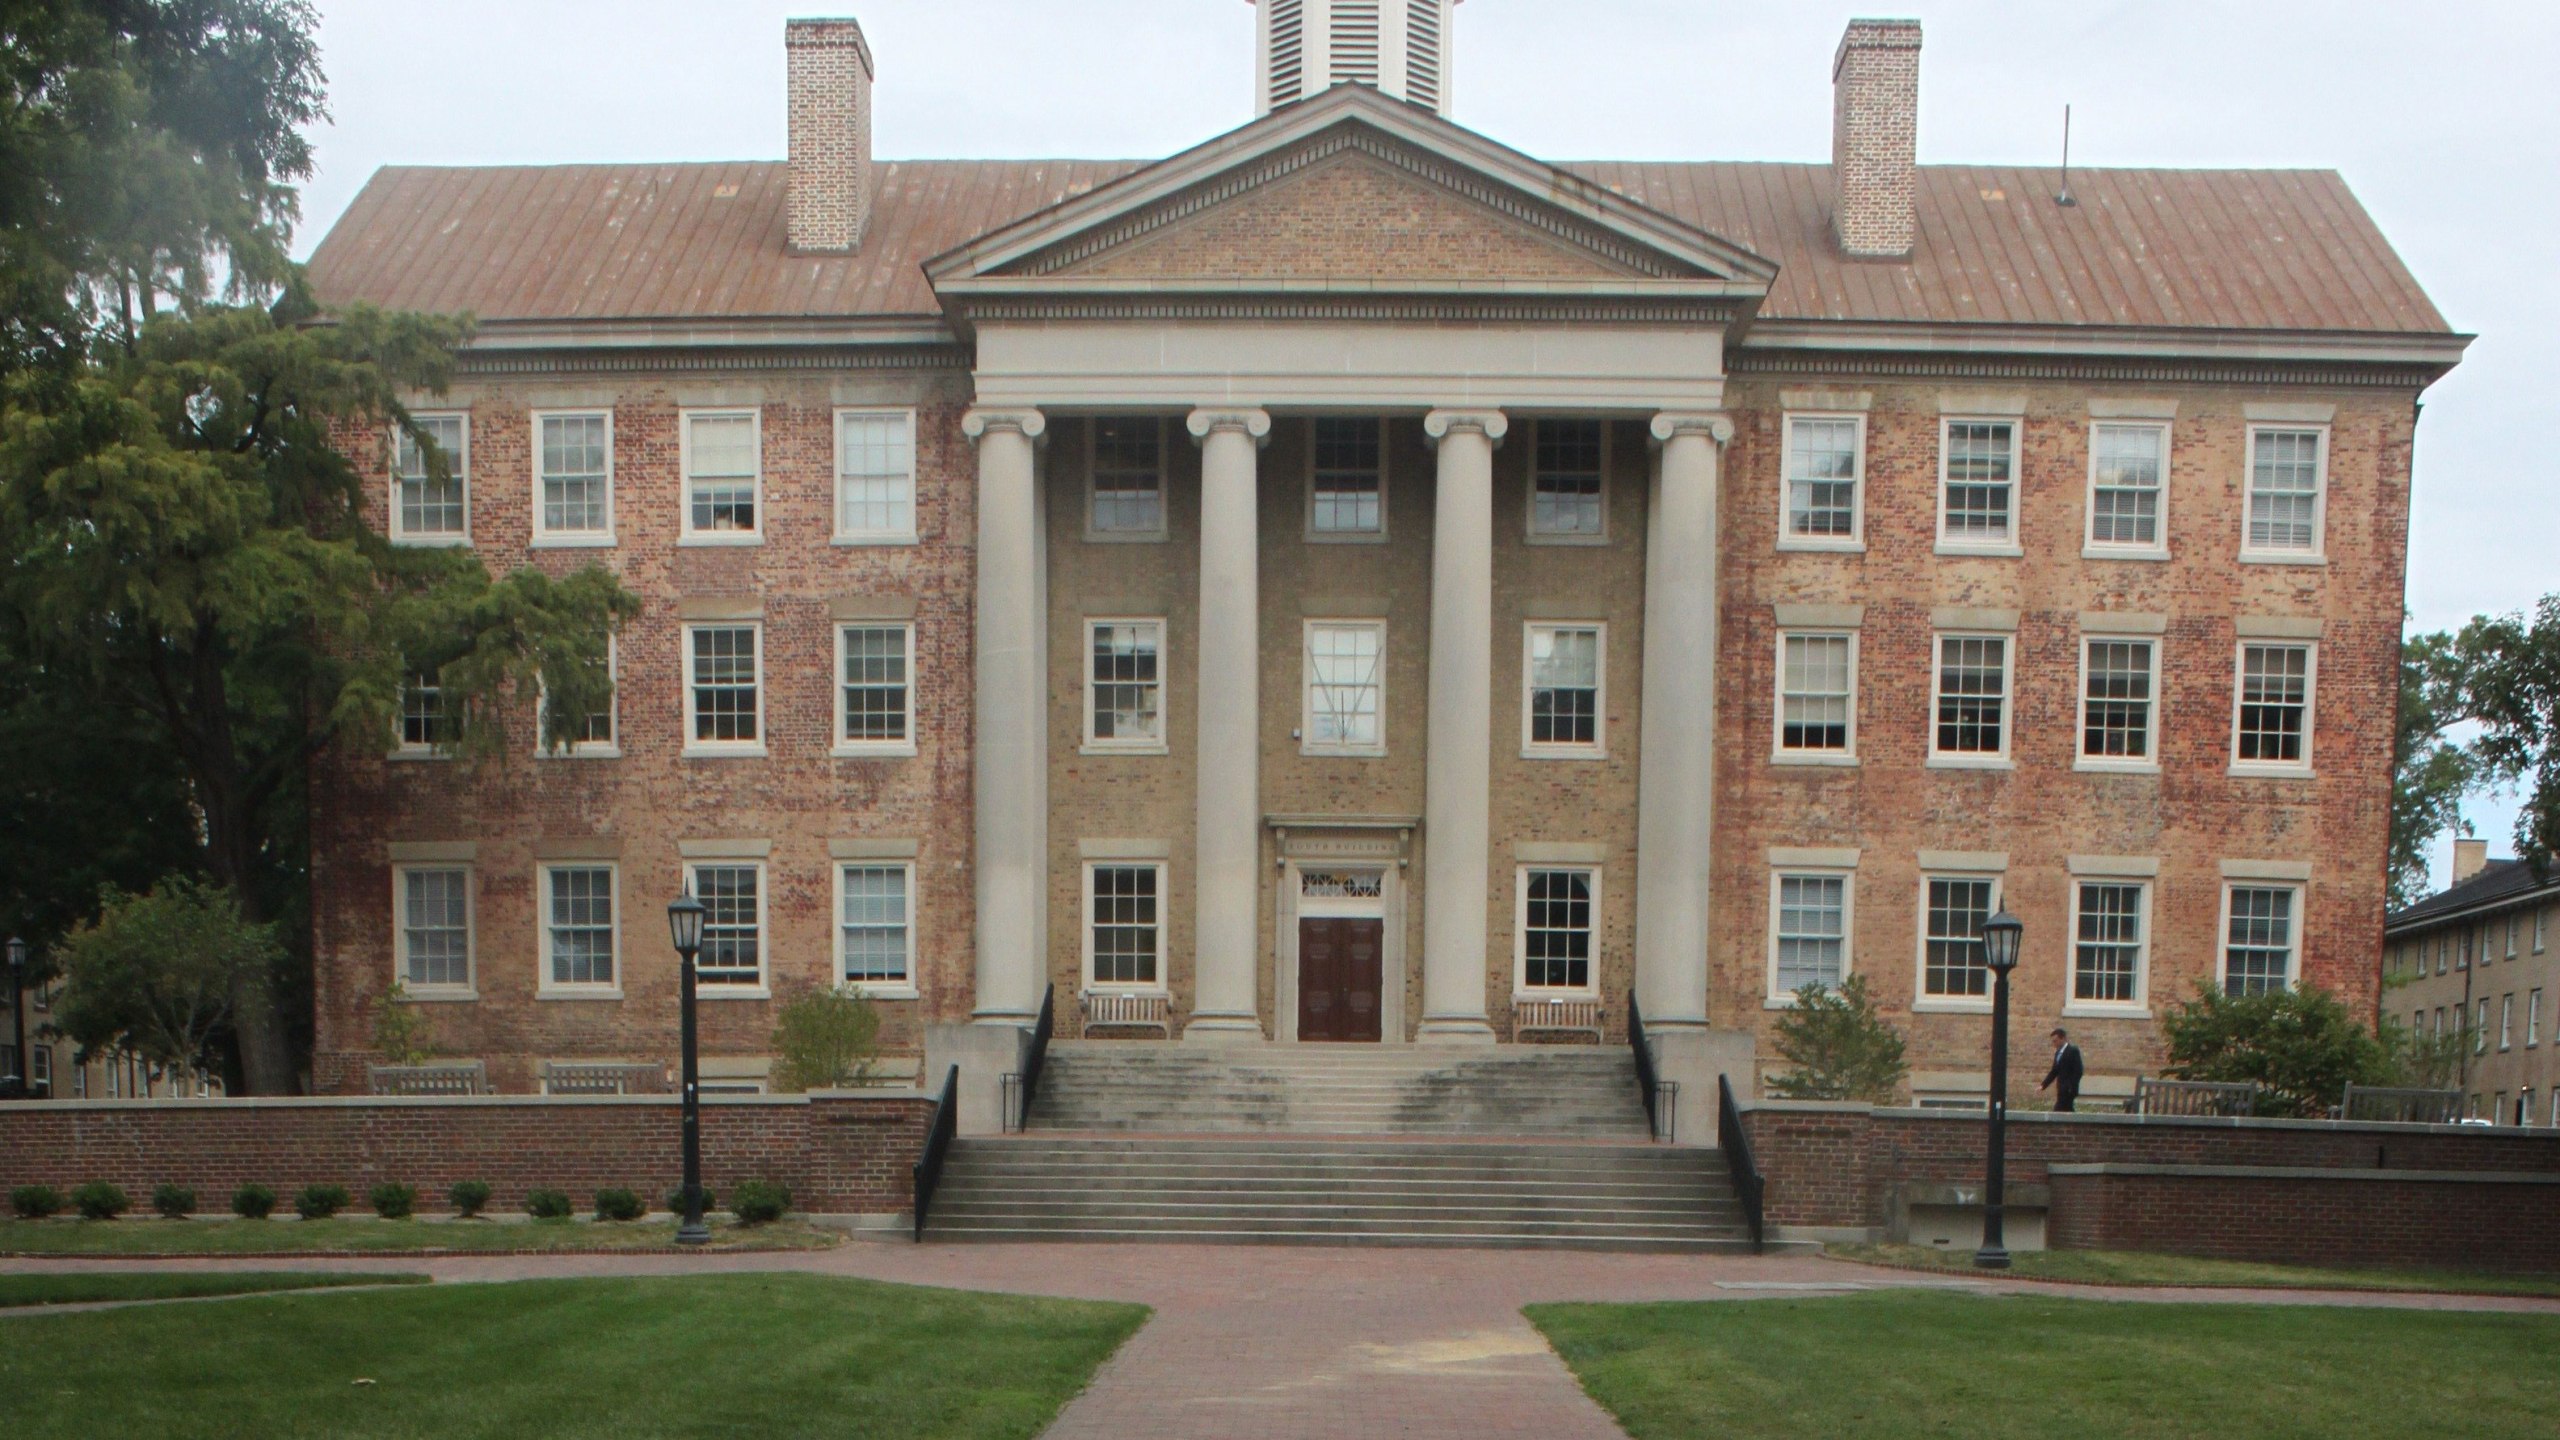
1253	1343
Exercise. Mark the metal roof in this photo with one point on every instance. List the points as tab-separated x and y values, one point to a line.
2498	881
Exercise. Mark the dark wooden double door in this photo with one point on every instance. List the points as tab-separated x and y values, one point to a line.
1341	970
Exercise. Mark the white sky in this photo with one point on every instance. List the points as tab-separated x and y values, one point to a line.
2443	118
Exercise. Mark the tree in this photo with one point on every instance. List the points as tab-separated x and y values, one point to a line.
158	975
825	1040
1839	1047
2301	1044
402	1032
2430	775
2510	676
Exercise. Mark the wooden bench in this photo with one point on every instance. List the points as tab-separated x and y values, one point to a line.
1557	1017
590	1077
1123	1009
2194	1097
2400	1105
462	1077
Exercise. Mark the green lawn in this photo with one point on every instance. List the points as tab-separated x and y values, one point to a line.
1918	1362
724	1355
2126	1267
368	1236
164	1285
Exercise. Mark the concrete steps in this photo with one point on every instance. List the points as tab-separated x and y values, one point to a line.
1308	1191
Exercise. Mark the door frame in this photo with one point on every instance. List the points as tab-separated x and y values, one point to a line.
1387	909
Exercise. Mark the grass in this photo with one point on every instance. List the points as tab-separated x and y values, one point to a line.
1985	1367
716	1355
17	1290
381	1237
2126	1267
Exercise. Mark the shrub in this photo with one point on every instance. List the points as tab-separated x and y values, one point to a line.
99	1200
174	1202
392	1200
468	1197
1840	1048
757	1201
319	1202
34	1202
619	1205
253	1201
825	1040
675	1201
548	1204
2300	1044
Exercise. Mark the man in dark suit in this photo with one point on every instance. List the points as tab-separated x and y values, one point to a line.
2064	1077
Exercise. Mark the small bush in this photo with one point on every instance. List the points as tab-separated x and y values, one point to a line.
34	1202
675	1201
99	1200
392	1200
468	1197
319	1202
253	1201
548	1204
174	1202
758	1201
619	1205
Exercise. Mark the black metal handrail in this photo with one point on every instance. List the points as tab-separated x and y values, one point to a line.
937	1144
1735	1141
1647	1084
1025	1084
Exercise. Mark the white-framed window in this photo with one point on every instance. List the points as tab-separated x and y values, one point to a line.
1346	478
2480	1028
1811	913
732	896
724	689
2533	1017
2541	915
2288	492
1124	925
1817	716
1978	484
1564	670
2514	922
2128	488
2506	1022
433	928
581	929
1823	506
1126	453
875	926
573	477
596	734
1556	925
1567	491
425	510
2119	693
1955	966
428	720
875	688
2271	707
40	1068
723	477
1970	723
1346	689
875	477
2110	945
2262	939
1124	685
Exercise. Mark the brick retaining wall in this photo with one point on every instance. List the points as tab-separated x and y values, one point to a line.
839	1153
2474	1220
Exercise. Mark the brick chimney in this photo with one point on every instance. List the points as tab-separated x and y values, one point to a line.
1875	126
830	87
2470	857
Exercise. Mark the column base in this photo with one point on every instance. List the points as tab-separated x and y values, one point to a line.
1454	1030
1222	1030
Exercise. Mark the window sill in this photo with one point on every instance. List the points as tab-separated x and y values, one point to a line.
1533	538
1339	752
405	755
1133	992
432	542
2243	770
873	752
1346	537
1097	747
1943	1005
1801	545
570	542
1523	996
438	997
1817	758
717	541
575	992
1969	762
581	752
2108	552
2092	1010
2087	766
1563	752
857	541
715	990
2001	551
724	752
1127	537
2274	559
884	992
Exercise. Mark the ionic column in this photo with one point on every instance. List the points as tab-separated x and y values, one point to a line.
1458	760
1011	694
1675	817
1229	783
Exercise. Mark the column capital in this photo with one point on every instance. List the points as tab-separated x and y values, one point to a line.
1715	425
1491	424
1205	422
1028	422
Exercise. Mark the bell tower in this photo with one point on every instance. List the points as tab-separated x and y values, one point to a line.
1401	47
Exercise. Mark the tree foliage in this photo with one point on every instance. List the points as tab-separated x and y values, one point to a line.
2510	676
1838	1046
158	974
2301	1044
825	1040
2430	774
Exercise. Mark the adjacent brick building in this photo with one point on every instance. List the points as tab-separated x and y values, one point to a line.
2476	966
1352	579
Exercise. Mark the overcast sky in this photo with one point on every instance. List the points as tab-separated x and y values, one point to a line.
2443	117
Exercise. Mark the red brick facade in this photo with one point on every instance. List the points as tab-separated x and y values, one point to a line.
2353	1217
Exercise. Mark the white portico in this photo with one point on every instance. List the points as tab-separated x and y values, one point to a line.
1153	297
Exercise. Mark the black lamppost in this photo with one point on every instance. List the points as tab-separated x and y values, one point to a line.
2000	952
684	922
19	1087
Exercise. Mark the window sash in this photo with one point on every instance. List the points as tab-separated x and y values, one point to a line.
1128	476
425	721
1977	489
874	692
573	457
875	920
1972	696
1347	491
722	468
2116	696
2259	938
724	668
1124	924
578	930
2272	723
1566	468
1346	686
2285	483
596	728
1564	669
732	924
427	508
2111	923
2128	476
1825	466
1809	932
1817	693
1558	922
435	928
1955	963
875	475
1124	681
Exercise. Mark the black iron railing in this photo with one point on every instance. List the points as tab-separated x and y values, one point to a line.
1657	1093
937	1144
1735	1141
1023	1086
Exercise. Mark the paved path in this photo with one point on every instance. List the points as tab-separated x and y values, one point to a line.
1267	1343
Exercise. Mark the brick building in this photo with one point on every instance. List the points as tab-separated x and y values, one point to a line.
2477	961
1353	580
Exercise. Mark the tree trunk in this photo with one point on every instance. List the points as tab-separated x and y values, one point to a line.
266	1051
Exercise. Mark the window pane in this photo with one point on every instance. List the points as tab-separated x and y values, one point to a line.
720	483
1127	685
573	473
875	683
1348	484
1978	479
876	489
1813	702
2258	953
732	925
1567	496
1955	962
1822	477
724	684
1556	937
581	925
2106	964
2117	720
1812	930
429	506
1564	686
1128	475
2284	490
876	941
436	927
1124	920
2275	694
1343	685
1972	674
2124	506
